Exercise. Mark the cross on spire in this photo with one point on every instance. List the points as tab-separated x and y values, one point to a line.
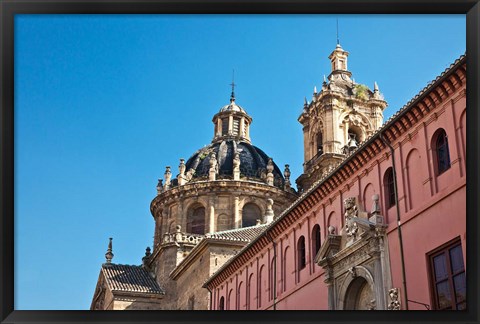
232	96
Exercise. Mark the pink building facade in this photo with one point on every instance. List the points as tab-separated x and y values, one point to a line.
384	230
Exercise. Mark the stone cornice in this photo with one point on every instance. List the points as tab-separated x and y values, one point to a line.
197	188
427	100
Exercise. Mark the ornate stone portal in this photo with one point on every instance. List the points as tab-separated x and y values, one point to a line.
356	262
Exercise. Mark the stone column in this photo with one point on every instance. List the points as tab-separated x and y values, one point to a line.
219	127
242	127
230	124
345	133
378	288
212	215
329	280
236	213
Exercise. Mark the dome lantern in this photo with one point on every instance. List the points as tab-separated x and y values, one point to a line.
232	122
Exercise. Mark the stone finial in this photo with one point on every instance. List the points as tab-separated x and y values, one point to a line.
146	258
181	167
376	91
331	230
167	176
315	90
324	83
178	233
159	186
375	216
258	222
213	167
270	168
305	103
181	172
286	174
236	166
109	254
269	214
375	205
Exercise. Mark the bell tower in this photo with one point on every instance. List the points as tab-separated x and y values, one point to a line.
338	118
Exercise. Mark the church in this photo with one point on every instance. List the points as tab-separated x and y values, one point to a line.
377	222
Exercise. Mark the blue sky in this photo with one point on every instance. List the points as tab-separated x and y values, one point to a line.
104	103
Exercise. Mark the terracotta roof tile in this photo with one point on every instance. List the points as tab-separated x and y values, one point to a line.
130	278
245	234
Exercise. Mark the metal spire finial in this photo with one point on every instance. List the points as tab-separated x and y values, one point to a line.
232	96
338	39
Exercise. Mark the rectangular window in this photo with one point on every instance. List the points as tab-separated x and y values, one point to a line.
224	126
448	277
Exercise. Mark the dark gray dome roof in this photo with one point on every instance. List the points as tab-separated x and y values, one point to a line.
253	161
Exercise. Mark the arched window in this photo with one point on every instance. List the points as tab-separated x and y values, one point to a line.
260	287
319	143
301	253
196	220
221	305
250	214
239	296
229	300
315	241
441	152
389	188
272	278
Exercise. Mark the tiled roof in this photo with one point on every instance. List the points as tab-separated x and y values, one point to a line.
245	234
130	278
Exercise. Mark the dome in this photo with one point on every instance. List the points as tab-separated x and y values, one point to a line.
253	161
232	106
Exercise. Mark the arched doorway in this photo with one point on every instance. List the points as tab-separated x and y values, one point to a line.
359	295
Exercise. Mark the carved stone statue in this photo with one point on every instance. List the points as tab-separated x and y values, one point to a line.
236	166
394	303
189	175
213	167
181	172
351	211
286	174
168	176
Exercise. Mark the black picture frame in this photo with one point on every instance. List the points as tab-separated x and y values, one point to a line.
10	7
